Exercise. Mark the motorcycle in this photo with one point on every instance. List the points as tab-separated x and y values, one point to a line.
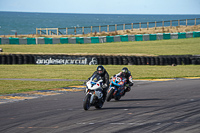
94	93
117	88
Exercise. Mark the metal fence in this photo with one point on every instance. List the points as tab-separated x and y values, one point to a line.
116	27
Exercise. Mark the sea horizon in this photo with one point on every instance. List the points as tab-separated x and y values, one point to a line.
26	22
95	13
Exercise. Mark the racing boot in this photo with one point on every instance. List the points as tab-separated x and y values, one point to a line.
127	89
104	96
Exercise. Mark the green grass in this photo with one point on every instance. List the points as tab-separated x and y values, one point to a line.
159	47
13	86
80	72
162	47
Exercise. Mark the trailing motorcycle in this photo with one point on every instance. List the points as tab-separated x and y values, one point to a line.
117	88
94	93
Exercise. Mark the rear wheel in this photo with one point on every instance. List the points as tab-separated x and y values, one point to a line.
110	94
86	102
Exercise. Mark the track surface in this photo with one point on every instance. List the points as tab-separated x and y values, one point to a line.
170	106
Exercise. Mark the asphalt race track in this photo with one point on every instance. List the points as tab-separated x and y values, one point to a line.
163	107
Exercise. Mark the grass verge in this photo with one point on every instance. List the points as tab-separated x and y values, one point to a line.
13	86
80	72
158	47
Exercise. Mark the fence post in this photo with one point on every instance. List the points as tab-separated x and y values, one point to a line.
155	25
123	27
99	29
186	22
163	24
46	31
66	31
170	23
147	25
178	22
195	21
82	30
91	29
132	26
57	32
74	30
115	27
36	31
140	26
107	28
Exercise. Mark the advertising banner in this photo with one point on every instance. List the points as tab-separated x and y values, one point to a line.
59	60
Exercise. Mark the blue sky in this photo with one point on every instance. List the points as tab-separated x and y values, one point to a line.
103	6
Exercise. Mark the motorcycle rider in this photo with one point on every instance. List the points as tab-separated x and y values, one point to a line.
105	77
127	74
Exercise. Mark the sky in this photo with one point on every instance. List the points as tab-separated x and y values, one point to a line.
103	6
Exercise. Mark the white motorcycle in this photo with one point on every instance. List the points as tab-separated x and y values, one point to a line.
94	93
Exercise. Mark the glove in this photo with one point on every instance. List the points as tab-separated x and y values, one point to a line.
104	86
127	85
130	84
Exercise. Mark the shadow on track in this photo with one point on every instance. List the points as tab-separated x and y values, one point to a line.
123	100
128	107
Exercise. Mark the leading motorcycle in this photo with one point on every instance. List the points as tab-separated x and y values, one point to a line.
117	88
94	93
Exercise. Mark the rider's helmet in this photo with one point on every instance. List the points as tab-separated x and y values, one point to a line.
124	71
100	70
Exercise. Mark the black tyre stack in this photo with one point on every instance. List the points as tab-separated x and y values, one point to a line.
112	60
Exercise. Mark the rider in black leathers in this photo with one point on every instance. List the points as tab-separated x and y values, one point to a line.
105	77
127	74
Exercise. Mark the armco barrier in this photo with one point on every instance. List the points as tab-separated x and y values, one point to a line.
138	37
64	40
189	34
100	39
131	37
166	36
124	38
152	37
196	34
94	39
181	35
103	60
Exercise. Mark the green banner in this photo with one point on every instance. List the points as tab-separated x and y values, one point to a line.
14	40
80	40
94	39
138	37
124	38
196	34
166	36
63	40
48	40
31	41
181	35
109	39
152	37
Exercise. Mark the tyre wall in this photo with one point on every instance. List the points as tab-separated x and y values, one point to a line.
105	60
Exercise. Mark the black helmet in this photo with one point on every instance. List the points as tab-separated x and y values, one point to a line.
100	69
125	70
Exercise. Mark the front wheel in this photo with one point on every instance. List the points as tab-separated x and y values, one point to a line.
86	102
110	94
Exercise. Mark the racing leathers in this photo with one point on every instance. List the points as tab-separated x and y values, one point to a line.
129	79
105	78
